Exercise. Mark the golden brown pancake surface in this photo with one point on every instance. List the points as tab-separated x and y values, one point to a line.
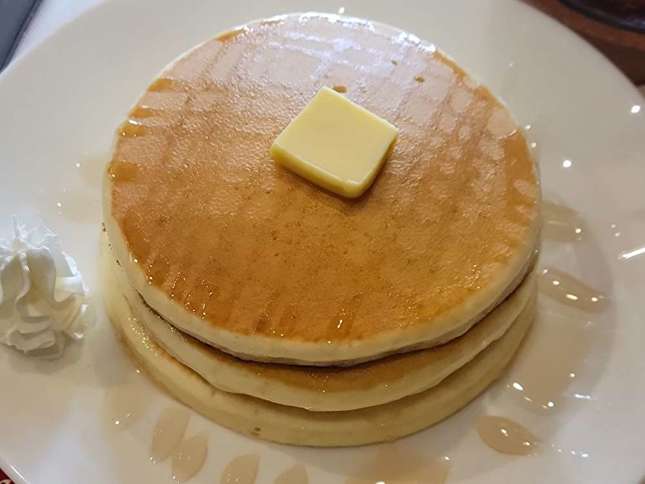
245	246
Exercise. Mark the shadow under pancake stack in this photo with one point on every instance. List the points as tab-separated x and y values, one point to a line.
282	311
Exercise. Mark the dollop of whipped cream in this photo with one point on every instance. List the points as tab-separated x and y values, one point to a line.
43	300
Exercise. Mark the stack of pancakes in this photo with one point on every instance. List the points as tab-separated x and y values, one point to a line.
283	311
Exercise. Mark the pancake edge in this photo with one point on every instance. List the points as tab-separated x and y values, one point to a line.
245	380
274	350
293	426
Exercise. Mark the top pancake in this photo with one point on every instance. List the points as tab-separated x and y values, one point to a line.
255	260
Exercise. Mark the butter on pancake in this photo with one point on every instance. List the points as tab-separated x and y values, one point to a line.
335	143
256	261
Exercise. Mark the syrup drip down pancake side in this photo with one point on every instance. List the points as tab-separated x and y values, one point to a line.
290	425
329	388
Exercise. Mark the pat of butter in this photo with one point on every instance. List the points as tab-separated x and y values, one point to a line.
335	144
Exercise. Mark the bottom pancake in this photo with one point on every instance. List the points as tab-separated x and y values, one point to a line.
296	426
328	388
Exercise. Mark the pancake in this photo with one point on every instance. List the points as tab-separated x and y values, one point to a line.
289	425
328	388
254	260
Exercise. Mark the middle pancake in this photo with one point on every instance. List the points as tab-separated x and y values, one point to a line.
331	388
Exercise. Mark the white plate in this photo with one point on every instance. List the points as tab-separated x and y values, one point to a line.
60	104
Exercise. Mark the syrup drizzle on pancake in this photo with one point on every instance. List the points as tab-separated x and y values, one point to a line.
132	129
142	112
458	146
123	171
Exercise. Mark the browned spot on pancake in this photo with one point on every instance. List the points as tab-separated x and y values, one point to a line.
261	237
340	89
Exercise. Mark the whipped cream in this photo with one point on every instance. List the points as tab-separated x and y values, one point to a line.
43	300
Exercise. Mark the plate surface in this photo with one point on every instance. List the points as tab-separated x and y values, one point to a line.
577	384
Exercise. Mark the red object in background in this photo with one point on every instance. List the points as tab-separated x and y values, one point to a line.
4	479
